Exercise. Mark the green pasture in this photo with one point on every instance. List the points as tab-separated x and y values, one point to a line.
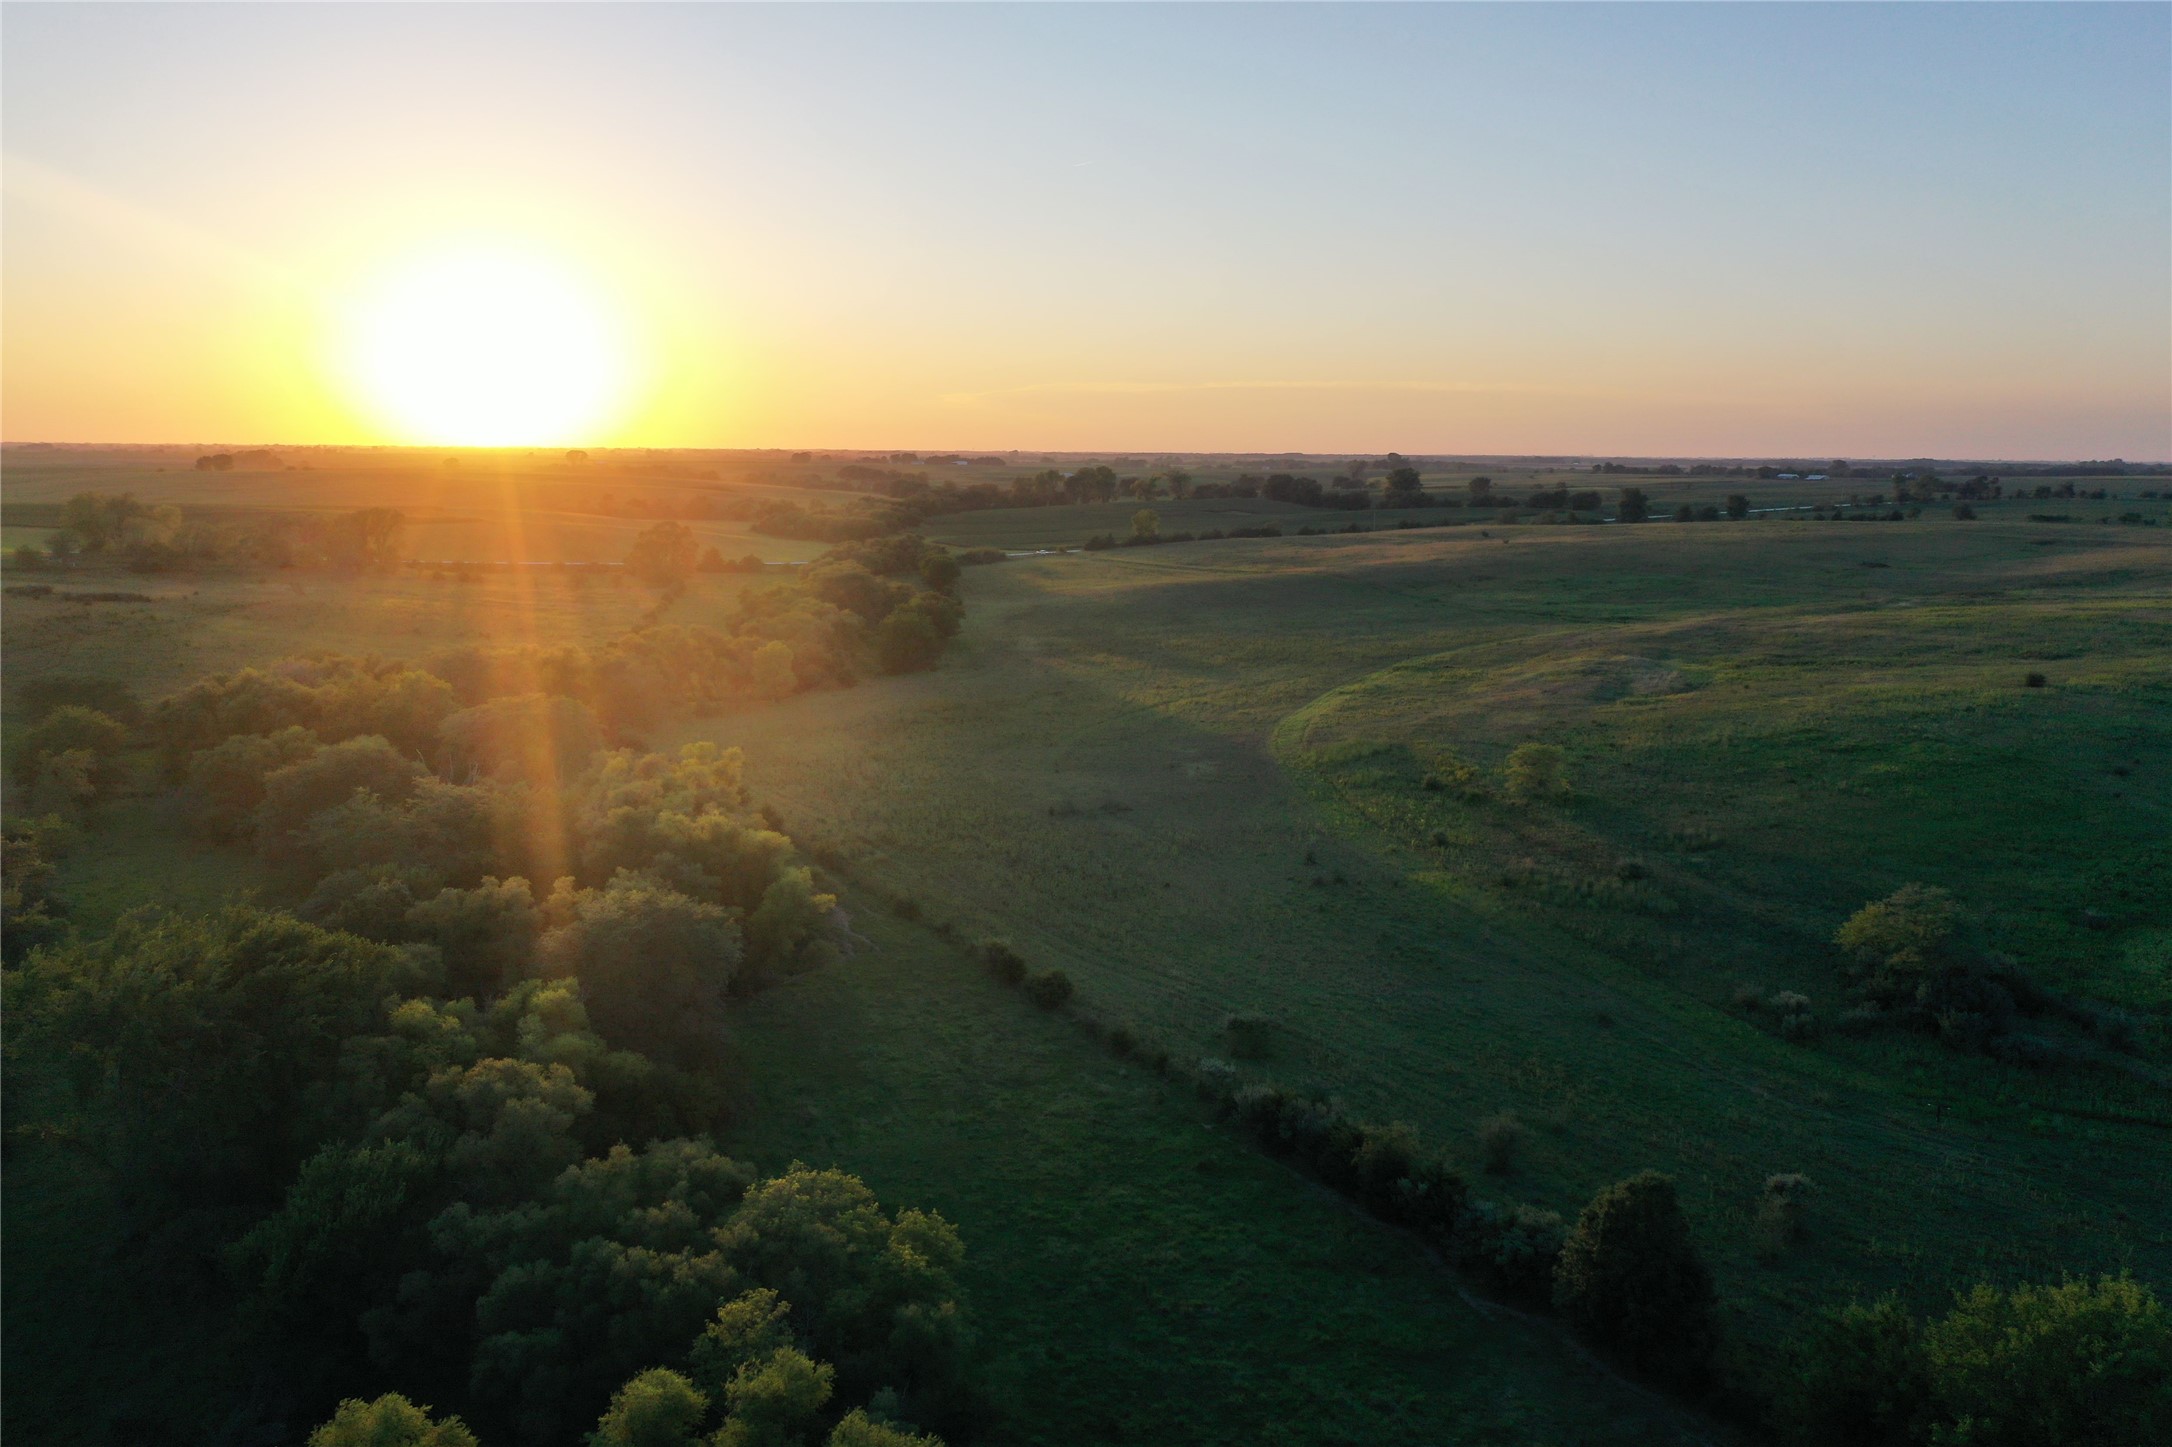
1139	1273
1191	776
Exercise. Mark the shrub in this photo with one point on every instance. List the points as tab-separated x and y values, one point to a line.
1536	771
1122	1043
1005	963
1250	1037
1499	1138
1630	1280
1049	989
1512	1250
2034	680
1780	1211
1860	1019
1749	997
1216	1079
1385	1155
1797	1023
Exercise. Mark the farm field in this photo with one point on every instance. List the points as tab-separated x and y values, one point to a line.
1190	776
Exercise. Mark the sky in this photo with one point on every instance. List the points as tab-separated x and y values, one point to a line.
1829	230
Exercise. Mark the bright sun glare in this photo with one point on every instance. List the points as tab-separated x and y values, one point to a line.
486	347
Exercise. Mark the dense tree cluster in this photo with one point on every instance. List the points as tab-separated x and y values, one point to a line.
450	1119
2082	1361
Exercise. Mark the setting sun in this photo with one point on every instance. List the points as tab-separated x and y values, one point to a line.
485	347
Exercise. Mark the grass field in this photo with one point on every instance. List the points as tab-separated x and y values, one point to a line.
1139	1273
1191	776
1133	772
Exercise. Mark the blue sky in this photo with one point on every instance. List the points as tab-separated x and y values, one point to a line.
1869	229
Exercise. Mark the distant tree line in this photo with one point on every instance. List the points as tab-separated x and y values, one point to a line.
164	539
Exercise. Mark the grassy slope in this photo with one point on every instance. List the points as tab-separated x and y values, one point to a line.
1139	1274
1095	776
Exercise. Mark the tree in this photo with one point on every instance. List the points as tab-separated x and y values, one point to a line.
776	1402
486	935
1630	1280
30	913
368	539
226	783
1861	1378
2081	1361
653	963
536	739
1179	482
1898	943
1738	506
1145	523
659	1408
334	1232
748	1329
1481	490
1536	771
404	705
773	675
663	557
908	641
1405	486
791	919
330	777
94	522
857	1429
68	729
390	1421
940	571
1634	506
1917	917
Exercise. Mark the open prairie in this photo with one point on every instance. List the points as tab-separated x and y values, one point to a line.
1263	778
